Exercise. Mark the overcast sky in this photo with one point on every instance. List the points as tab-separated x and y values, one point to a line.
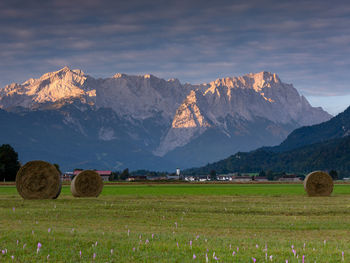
307	43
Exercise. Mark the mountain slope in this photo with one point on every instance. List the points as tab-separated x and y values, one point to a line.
325	146
183	125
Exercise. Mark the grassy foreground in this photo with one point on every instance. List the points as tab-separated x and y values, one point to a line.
178	223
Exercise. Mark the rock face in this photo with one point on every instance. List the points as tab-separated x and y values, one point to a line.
183	125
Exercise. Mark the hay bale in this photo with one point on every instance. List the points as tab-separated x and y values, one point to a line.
59	191
38	180
88	183
318	183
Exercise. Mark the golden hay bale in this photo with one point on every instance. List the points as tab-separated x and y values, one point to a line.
318	183
59	191
38	180
88	183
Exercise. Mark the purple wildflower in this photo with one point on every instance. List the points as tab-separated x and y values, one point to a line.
194	256
80	253
38	248
254	260
94	256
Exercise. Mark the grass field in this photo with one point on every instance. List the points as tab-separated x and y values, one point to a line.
178	223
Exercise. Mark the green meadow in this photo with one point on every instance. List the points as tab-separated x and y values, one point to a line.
178	223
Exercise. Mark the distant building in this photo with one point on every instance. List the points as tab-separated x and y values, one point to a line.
137	178
173	177
260	179
289	178
67	176
241	179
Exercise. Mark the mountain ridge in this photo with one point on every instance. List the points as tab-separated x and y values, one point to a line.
324	146
163	117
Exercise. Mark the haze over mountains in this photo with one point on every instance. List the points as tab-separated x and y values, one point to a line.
144	122
324	146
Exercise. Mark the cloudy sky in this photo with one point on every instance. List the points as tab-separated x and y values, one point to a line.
306	43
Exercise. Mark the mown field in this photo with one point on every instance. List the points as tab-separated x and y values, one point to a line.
178	223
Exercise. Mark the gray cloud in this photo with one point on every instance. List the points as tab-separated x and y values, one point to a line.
305	42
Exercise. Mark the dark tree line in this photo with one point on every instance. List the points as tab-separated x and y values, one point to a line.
9	164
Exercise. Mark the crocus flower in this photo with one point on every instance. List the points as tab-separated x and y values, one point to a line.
254	260
38	248
194	256
111	251
303	259
94	256
80	253
12	257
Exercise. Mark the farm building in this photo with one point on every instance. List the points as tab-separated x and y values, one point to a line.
241	179
260	179
289	178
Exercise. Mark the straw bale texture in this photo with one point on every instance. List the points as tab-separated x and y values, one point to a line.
38	180
318	183
88	183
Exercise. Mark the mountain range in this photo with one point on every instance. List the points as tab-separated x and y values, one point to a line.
325	146
144	122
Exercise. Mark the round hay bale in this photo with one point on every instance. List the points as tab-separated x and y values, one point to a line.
318	183
88	183
59	191
38	180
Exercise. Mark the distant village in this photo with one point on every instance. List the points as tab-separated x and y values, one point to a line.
142	175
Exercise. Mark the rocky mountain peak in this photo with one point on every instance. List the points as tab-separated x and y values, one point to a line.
50	87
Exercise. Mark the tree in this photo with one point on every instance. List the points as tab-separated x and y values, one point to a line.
9	164
212	175
57	167
262	173
333	174
125	174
